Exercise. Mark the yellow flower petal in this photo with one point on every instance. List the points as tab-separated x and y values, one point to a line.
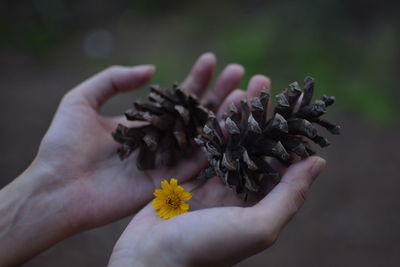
186	196
184	206
179	189
160	193
165	185
173	182
158	203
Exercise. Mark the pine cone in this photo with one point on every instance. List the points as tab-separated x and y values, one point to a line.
173	118
242	158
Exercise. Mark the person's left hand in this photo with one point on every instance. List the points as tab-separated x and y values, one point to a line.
77	182
80	152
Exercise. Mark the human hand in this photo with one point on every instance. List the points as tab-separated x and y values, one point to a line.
220	229
219	236
77	181
79	145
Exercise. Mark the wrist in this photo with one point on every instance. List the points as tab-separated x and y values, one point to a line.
32	215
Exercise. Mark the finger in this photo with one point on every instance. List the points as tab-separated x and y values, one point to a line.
226	82
274	211
257	83
113	80
200	75
234	97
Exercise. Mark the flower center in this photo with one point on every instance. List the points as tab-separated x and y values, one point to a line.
173	201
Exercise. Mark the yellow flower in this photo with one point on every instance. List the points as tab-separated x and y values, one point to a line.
170	200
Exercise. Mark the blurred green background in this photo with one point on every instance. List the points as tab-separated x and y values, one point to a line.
351	48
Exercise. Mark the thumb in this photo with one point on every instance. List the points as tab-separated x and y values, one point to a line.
116	79
281	204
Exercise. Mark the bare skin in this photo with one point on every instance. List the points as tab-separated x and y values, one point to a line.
76	181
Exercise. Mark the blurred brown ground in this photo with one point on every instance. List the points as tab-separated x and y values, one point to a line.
351	217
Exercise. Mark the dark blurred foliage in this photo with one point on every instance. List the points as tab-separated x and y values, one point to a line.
350	47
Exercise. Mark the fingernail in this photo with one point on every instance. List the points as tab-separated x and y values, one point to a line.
317	167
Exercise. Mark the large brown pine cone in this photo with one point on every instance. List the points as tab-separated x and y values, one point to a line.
242	156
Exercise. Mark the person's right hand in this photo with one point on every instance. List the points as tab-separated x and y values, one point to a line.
220	236
220	229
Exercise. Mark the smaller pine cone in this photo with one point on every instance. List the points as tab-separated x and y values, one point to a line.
173	118
242	156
